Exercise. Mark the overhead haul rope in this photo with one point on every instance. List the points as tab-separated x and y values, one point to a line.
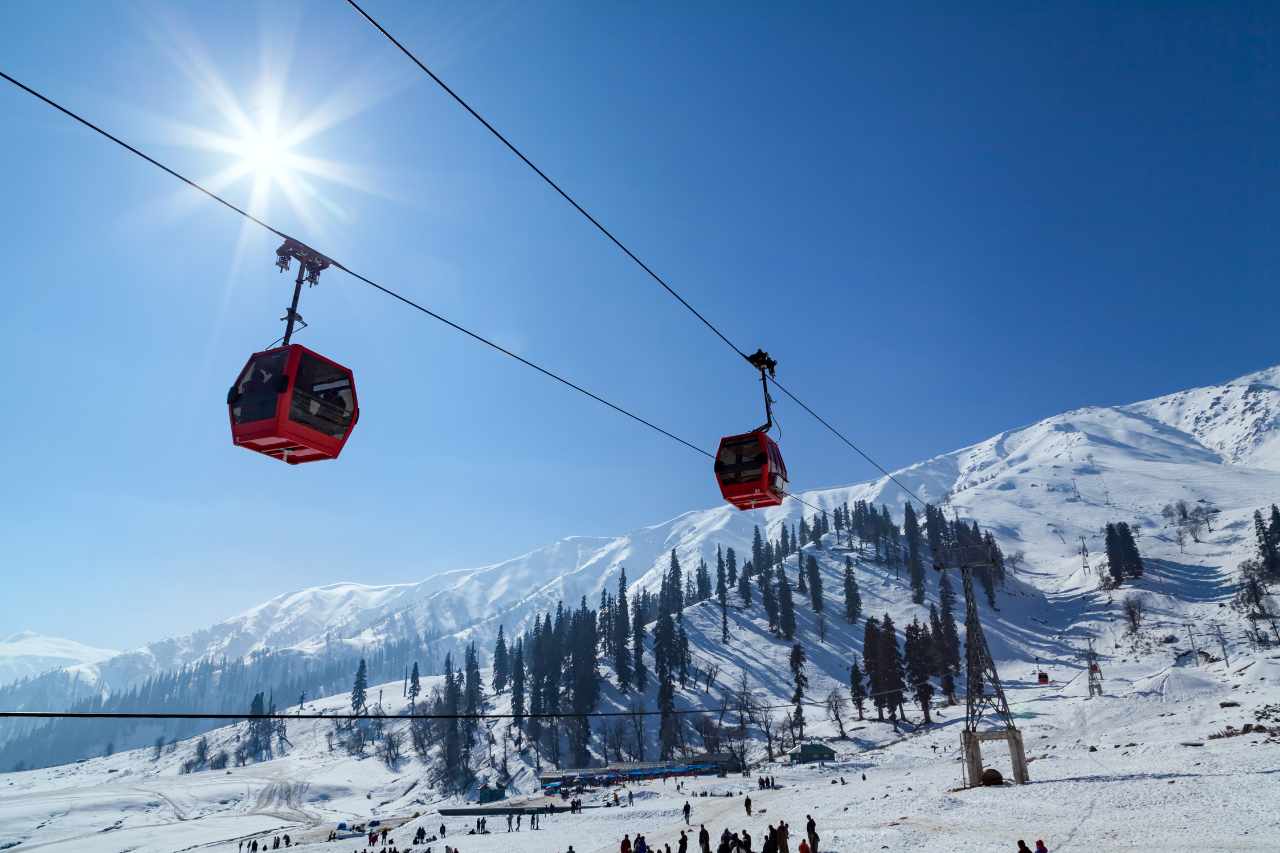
389	292
445	320
617	242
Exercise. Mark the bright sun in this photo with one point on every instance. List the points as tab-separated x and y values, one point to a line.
264	155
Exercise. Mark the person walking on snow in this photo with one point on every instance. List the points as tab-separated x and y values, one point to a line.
1022	847
1040	848
688	810
748	805
704	839
626	844
683	845
811	830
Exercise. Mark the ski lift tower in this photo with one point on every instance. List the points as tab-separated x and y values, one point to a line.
1095	671
984	695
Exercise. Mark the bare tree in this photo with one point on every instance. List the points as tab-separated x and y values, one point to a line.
709	732
420	737
837	709
1015	560
389	747
614	735
1135	607
710	673
768	725
789	719
637	728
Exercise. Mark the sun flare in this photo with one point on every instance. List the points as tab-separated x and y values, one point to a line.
264	154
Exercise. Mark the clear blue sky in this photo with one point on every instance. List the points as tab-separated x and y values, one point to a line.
942	225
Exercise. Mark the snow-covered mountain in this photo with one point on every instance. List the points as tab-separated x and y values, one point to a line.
1039	488
27	653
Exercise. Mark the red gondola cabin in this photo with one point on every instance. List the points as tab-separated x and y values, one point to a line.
750	470
293	404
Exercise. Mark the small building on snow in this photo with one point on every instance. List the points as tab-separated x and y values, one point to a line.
807	753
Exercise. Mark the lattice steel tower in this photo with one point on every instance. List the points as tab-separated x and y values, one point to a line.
984	694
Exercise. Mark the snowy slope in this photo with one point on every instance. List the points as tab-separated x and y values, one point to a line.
27	653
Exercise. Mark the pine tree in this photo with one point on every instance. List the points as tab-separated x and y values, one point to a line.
637	649
452	754
665	655
1133	566
1115	559
857	692
871	658
949	642
359	689
786	607
722	593
815	584
584	679
757	550
683	656
800	681
731	567
673	599
768	597
415	685
891	669
501	662
703	580
911	529
920	666
744	582
622	634
1266	536
852	598
517	683
474	696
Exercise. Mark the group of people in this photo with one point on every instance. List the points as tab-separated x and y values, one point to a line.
254	846
575	806
777	840
1040	848
514	819
765	783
